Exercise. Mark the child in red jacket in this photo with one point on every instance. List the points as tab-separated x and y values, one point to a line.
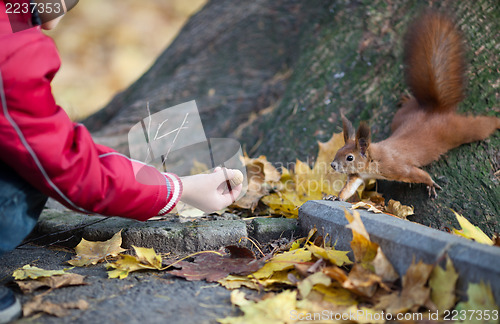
43	153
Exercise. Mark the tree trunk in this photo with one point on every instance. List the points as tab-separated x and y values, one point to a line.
276	74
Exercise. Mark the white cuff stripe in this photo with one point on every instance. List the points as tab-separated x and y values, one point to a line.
175	193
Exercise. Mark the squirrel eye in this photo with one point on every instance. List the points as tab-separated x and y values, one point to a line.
350	158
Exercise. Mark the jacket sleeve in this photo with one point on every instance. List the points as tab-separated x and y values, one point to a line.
59	157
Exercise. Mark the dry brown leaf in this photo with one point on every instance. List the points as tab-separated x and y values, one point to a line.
384	268
88	252
397	209
361	281
260	174
414	293
37	305
335	273
213	266
367	206
68	279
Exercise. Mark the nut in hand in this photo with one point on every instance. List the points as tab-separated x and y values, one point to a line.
237	178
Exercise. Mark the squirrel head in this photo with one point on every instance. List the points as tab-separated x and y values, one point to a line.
354	156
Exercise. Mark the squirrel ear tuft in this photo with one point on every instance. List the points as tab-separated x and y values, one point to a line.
363	138
348	129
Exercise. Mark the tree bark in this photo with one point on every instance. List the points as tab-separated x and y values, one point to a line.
276	74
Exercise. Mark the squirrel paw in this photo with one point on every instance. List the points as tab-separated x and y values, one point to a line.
432	190
331	198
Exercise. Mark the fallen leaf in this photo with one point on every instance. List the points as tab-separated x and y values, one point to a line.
88	252
27	271
273	309
213	266
367	206
481	300
305	183
199	167
361	281
261	175
384	268
283	203
366	315
338	258
146	259
414	293
334	294
470	231
363	249
37	305
235	282
296	245
278	280
335	273
124	265
148	256
67	279
306	285
442	283
283	261
397	209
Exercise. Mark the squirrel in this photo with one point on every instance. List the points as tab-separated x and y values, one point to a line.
427	124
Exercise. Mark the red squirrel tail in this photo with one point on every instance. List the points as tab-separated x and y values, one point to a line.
434	62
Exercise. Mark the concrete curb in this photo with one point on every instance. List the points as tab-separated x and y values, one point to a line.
164	236
402	241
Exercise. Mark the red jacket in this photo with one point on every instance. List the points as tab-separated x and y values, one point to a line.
58	156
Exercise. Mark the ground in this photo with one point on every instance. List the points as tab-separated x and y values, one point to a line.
142	297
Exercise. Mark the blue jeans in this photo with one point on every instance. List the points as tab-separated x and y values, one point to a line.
20	207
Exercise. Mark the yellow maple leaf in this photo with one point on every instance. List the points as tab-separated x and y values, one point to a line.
148	256
305	286
235	282
363	249
30	272
146	259
88	252
333	294
276	281
481	300
470	231
338	258
442	283
326	153
306	183
284	203
283	261
274	309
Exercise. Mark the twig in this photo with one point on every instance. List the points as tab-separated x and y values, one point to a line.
62	232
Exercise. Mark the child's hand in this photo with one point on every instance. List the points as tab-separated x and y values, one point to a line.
209	192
